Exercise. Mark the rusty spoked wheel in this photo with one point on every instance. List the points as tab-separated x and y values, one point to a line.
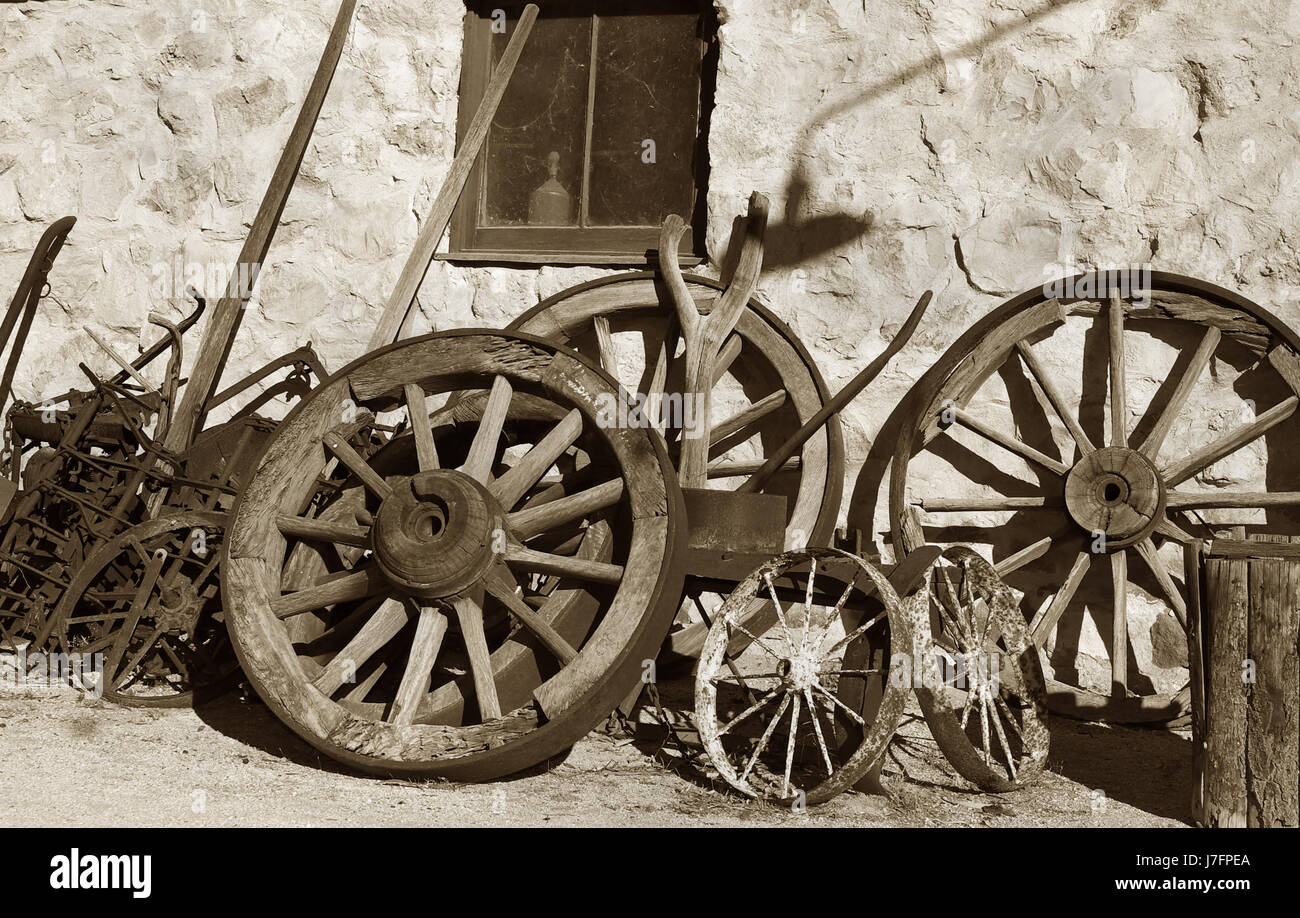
981	687
149	600
766	386
477	594
787	718
1036	434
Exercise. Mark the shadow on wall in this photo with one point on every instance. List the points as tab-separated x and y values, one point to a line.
799	239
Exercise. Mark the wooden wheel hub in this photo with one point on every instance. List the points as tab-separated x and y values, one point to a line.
432	536
1116	491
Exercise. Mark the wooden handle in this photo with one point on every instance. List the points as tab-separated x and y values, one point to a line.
417	263
839	401
214	347
705	334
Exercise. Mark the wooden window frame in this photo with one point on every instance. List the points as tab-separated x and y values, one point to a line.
605	245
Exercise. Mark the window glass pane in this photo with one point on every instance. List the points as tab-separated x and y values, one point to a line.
534	158
646	114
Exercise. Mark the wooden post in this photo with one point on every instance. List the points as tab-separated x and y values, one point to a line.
1273	706
1249	757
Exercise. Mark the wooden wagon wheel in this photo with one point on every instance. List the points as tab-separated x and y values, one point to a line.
479	593
994	440
777	720
981	688
149	600
767	386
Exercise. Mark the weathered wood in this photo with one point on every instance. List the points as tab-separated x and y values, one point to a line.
1232	500
1226	599
483	450
378	630
705	333
430	629
535	520
299	527
218	335
1212	452
1193	576
1273	702
1054	396
1043	623
514	484
1174	407
435	224
1118	385
1008	442
1251	549
469	612
421	427
525	559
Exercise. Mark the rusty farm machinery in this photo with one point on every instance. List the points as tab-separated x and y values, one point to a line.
458	554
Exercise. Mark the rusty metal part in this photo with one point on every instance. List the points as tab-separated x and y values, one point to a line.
977	674
824	746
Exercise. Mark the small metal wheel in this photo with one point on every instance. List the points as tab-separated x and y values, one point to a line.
981	685
766	386
803	711
472	596
149	600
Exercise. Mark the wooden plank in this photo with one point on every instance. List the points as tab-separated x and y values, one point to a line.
1193	574
1252	549
435	224
1226	599
1273	703
218	335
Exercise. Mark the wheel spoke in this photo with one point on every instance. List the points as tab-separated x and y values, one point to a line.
1119	625
960	504
316	530
1232	500
789	744
514	484
818	687
727	355
421	427
659	377
727	434
430	628
1178	400
767	735
138	604
1047	618
721	468
780	612
380	628
1118	391
483	450
358	584
358	466
984	725
605	345
1212	452
525	559
749	711
1053	394
469	612
535	520
1027	555
817	729
1002	737
1009	443
504	592
1147	550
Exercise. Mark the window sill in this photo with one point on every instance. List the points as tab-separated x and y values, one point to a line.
603	259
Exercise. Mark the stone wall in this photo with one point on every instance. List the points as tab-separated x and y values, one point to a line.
970	147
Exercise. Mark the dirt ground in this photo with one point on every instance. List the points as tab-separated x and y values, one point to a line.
69	760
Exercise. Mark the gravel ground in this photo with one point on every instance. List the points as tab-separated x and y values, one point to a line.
73	761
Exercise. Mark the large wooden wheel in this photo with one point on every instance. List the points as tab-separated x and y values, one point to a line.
787	719
149	600
1083	438
766	386
475	595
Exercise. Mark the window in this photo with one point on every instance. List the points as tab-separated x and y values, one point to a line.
599	136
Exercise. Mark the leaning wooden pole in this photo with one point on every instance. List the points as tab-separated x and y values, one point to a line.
417	263
214	347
